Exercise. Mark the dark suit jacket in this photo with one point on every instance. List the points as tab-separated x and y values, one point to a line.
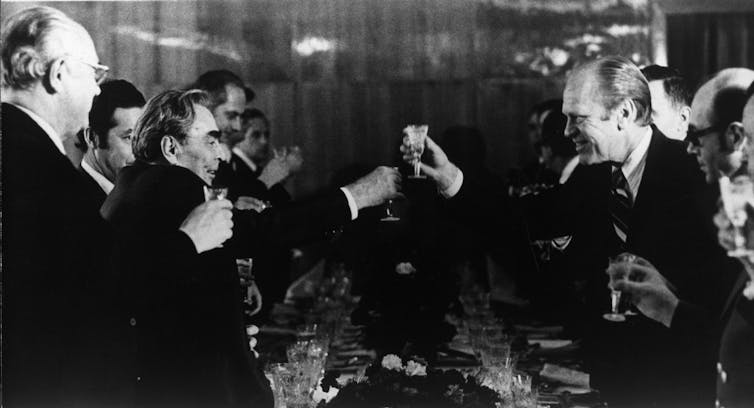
735	381
55	289
190	348
671	227
242	181
97	194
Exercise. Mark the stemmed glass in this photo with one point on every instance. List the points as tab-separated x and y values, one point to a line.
215	193
621	263
735	195
416	135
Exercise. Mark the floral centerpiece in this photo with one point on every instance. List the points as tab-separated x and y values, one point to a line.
395	384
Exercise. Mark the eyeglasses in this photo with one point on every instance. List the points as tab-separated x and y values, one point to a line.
100	71
693	135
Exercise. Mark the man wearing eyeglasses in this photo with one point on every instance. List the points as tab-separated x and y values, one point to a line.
715	136
60	339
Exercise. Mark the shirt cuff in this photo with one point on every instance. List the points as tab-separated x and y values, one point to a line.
351	203
454	187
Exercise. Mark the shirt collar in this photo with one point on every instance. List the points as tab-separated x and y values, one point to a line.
568	169
241	155
51	133
638	155
105	184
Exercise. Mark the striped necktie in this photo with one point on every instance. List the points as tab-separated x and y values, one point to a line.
621	201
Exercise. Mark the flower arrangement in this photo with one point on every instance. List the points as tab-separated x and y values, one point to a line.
395	384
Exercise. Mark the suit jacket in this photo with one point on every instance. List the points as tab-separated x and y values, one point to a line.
55	288
243	181
735	369
97	194
670	226
190	347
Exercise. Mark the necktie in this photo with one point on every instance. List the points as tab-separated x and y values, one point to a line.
621	201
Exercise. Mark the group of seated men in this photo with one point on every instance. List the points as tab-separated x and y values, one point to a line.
120	280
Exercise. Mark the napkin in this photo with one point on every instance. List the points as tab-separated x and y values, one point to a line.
564	375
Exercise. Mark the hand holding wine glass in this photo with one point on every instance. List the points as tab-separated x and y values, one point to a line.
737	195
437	166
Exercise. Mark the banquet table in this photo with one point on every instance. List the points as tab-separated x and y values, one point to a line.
550	359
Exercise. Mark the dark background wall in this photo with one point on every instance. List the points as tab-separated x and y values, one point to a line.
341	78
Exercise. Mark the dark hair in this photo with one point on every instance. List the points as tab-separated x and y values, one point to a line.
167	113
250	94
546	106
675	85
214	83
553	135
255	113
620	79
114	94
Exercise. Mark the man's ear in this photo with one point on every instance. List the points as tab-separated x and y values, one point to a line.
53	80
170	148
734	137
685	113
627	113
91	139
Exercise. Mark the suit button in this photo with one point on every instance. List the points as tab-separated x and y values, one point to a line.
132	321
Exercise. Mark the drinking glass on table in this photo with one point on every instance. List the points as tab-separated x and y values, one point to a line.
620	264
736	194
416	135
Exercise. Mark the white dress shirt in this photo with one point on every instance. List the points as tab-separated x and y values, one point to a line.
105	184
51	133
633	167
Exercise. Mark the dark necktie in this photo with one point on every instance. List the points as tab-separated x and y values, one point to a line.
621	201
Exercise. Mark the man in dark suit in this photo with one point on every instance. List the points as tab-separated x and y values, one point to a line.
187	324
634	190
50	225
719	105
59	315
108	139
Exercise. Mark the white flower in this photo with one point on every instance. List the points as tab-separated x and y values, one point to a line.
392	362
320	395
413	368
405	268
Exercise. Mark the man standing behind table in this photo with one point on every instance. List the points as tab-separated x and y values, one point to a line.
671	100
636	191
186	317
108	138
58	317
648	288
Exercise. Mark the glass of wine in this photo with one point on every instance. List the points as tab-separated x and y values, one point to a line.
416	136
215	193
736	194
620	263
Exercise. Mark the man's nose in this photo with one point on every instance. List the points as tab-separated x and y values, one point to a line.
570	130
235	124
691	149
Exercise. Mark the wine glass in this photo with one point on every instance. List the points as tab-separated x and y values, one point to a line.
621	263
215	193
735	195
416	136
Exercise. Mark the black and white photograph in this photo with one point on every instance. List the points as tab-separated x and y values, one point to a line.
377	204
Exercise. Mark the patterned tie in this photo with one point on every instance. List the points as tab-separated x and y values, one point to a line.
621	201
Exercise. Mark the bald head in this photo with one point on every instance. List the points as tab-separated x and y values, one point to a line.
716	135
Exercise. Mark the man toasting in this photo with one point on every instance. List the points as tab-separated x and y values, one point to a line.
190	346
634	190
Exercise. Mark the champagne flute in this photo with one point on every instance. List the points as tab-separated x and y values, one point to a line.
416	134
736	194
621	261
